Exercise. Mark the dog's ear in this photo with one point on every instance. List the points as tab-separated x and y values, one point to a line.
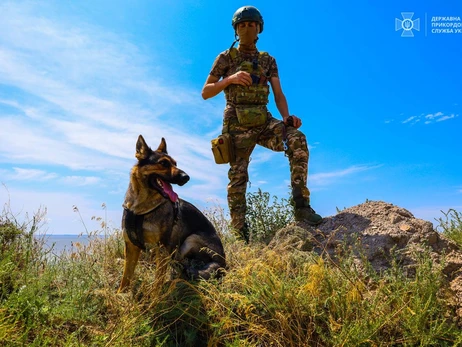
163	146
142	149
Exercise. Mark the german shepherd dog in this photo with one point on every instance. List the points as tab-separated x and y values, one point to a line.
154	214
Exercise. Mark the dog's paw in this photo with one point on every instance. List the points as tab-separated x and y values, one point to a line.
189	273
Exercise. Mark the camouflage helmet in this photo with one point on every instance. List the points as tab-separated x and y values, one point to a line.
247	14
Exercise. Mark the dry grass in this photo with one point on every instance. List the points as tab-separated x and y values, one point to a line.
269	297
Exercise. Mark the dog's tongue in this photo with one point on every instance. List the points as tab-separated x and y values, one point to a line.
169	191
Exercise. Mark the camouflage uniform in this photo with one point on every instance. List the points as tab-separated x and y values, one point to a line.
270	134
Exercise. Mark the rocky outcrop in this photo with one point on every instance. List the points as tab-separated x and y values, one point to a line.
381	233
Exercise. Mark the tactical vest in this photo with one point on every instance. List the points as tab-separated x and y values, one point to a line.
255	94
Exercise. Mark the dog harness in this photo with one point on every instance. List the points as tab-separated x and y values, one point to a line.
134	224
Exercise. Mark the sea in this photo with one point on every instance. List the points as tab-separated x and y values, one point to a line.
65	243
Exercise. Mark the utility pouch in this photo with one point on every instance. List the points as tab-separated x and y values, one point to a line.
223	149
251	116
254	94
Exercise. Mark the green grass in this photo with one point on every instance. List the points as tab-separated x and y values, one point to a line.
451	225
269	297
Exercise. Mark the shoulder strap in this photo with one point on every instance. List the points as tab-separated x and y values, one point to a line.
233	53
134	228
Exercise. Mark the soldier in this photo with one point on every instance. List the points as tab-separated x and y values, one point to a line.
243	74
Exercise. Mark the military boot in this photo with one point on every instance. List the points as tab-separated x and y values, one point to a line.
307	214
302	209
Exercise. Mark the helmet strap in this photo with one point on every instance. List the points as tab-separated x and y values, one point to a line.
236	39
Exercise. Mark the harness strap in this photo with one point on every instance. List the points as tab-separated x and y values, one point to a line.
134	228
290	122
134	224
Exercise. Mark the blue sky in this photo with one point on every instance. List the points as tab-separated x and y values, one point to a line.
79	81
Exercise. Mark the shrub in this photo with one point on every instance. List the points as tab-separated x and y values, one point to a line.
266	215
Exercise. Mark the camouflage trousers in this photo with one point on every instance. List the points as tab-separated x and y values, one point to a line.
269	135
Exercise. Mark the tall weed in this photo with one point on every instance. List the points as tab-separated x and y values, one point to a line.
451	225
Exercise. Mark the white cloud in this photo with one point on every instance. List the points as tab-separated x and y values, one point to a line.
60	217
263	155
327	178
81	180
38	146
429	118
412	120
86	95
37	175
408	119
446	117
313	146
433	116
31	174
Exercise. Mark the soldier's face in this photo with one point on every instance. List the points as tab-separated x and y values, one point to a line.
247	32
247	24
